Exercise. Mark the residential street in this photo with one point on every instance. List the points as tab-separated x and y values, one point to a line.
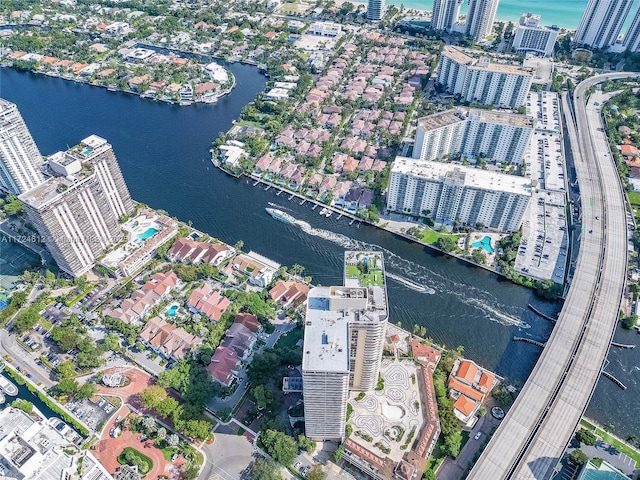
24	360
230	402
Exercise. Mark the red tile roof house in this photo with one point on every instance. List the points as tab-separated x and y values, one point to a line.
168	340
208	302
224	365
250	321
133	309
162	283
239	339
289	294
188	250
468	385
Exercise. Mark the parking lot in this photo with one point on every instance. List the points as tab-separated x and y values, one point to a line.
93	413
543	249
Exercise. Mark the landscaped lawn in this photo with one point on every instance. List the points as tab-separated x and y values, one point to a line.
634	200
131	456
289	339
430	236
352	271
623	447
167	452
373	278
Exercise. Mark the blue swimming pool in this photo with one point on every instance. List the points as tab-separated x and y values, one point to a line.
485	244
148	233
172	310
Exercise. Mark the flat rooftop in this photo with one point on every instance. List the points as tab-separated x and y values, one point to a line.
472	177
326	334
85	152
462	58
504	118
442	119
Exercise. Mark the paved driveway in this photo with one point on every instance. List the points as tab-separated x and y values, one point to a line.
228	458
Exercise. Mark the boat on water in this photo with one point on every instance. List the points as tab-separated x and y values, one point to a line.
326	212
7	387
280	215
2	398
412	285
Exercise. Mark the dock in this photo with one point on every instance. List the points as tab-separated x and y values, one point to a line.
543	315
622	345
614	379
529	340
303	198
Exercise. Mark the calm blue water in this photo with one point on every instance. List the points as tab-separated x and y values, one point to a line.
163	151
565	13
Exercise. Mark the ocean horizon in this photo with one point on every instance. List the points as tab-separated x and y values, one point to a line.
564	14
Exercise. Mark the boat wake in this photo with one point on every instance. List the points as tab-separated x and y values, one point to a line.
417	277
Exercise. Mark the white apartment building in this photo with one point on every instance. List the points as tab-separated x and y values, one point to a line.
601	23
20	160
499	137
445	14
77	211
480	17
325	366
531	37
481	81
452	193
631	39
375	10
343	342
368	324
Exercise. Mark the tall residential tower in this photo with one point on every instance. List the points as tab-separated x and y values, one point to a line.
480	17
631	40
375	10
343	342
77	211
445	14
20	160
601	23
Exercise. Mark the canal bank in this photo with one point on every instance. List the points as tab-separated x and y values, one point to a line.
163	151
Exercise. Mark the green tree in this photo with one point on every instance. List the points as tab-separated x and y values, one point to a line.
173	440
68	386
24	405
152	396
198	429
86	390
265	469
26	319
306	444
316	473
578	457
65	337
280	446
66	369
628	322
338	453
112	341
479	257
446	244
166	407
587	437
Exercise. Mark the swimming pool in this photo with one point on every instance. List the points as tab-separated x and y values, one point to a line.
485	244
172	310
148	233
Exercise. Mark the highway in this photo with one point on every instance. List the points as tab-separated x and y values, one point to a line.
534	434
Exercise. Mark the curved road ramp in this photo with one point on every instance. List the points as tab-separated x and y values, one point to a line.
533	436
